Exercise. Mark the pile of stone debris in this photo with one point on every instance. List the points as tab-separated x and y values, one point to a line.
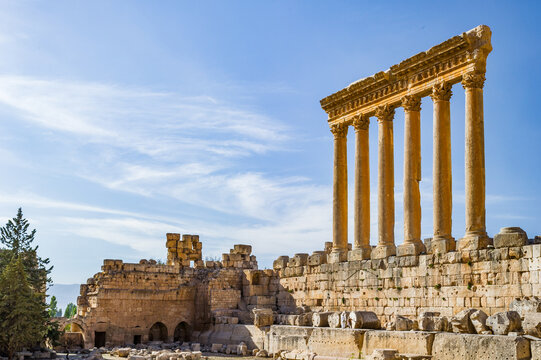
157	350
34	354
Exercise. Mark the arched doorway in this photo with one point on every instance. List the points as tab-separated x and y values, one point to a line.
182	332
158	332
72	336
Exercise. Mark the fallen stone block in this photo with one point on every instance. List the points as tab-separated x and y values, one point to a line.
123	352
479	322
461	322
196	355
415	342
263	317
432	321
136	357
535	348
215	348
449	346
262	353
524	306
344	316
195	347
532	324
363	320
504	322
401	323
384	354
242	349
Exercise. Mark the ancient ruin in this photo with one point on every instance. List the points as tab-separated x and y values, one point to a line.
441	298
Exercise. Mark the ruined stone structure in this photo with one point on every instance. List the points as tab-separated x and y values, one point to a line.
472	298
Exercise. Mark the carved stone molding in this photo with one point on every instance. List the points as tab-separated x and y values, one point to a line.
385	112
339	130
361	122
411	103
447	62
441	91
473	80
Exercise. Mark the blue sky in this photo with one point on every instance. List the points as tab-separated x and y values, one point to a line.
121	121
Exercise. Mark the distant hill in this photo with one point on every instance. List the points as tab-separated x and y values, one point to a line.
65	293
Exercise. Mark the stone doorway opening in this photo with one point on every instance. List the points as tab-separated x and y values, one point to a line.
158	332
136	339
182	332
99	339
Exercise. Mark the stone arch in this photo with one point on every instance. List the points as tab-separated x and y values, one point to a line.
182	332
157	332
75	337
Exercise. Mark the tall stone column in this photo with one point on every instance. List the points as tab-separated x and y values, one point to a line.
442	174
340	195
412	176
386	246
361	244
476	236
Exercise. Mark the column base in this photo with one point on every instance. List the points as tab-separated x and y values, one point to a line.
411	248
383	251
442	245
337	256
474	241
360	253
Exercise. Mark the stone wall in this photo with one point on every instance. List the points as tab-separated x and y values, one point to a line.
488	279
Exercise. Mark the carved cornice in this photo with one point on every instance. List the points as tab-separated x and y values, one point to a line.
339	130
360	122
441	91
385	112
411	103
473	80
448	62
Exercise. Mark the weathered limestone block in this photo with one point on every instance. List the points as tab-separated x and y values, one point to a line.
345	343
242	249
317	258
401	323
363	320
384	354
299	259
123	352
532	324
432	321
504	322
461	322
524	306
287	338
321	319
304	319
263	317
535	347
448	346
334	320
215	348
415	342
479	322
510	237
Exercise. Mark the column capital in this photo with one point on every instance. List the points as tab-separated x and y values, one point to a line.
385	113
339	130
411	103
361	122
441	91
473	80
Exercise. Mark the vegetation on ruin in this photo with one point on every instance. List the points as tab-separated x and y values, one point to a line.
25	317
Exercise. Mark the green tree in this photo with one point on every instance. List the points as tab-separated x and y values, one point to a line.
23	313
18	242
53	307
71	310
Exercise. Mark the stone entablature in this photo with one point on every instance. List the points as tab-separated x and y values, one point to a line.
446	62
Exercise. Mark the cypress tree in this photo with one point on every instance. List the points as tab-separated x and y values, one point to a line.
23	313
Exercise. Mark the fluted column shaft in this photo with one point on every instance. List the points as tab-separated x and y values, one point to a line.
412	176
340	194
361	243
476	236
385	247
442	172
